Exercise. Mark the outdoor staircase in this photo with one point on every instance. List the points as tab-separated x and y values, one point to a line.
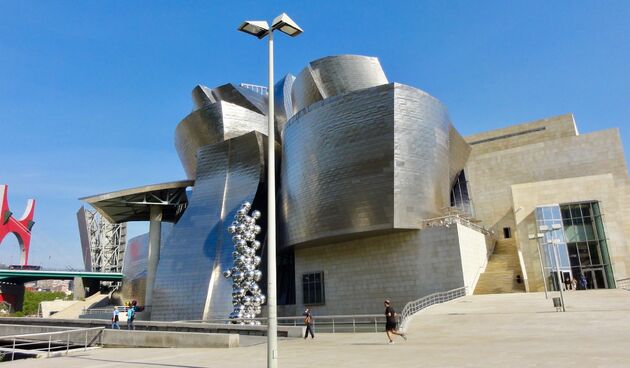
500	274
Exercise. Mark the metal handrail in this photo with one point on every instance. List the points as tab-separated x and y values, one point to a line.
416	306
31	339
455	219
332	323
623	284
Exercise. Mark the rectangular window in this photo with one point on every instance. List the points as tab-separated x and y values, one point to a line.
507	232
313	288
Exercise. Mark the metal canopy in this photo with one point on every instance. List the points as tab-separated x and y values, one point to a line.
134	204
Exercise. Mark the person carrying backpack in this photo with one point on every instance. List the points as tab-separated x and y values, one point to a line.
131	315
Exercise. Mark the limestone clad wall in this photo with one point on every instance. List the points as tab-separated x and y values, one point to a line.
402	266
588	188
491	175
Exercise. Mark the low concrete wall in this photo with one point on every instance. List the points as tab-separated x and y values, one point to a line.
161	339
10	330
283	331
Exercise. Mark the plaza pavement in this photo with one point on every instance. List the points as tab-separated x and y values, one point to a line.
507	330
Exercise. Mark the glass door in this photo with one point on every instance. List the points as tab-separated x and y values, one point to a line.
595	278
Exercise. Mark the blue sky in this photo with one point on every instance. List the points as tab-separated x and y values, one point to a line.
91	92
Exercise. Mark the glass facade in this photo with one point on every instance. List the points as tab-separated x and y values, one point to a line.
460	197
549	225
577	231
587	245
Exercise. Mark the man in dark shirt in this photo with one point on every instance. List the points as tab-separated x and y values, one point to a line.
390	322
308	321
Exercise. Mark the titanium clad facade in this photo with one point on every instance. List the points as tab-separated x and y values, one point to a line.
389	143
189	284
134	267
335	75
421	157
283	105
211	124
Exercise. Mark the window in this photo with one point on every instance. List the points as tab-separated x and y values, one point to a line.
313	288
507	232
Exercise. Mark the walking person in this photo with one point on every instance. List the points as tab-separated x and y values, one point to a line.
574	284
567	284
131	314
308	322
115	319
583	283
390	322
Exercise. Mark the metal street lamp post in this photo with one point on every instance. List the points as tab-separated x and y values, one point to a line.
260	29
554	244
537	237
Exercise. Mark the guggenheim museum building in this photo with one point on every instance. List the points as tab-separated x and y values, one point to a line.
378	196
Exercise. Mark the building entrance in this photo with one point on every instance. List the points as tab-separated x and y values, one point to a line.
595	278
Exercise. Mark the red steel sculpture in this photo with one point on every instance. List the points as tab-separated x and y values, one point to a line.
20	227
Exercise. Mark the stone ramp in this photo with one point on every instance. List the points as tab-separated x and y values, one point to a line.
75	310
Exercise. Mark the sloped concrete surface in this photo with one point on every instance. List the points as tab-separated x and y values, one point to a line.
505	330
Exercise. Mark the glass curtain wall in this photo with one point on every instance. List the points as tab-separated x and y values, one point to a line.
460	197
546	218
587	245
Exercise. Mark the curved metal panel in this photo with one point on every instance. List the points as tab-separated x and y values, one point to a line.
335	75
421	180
135	265
241	96
283	107
189	284
371	160
202	97
212	124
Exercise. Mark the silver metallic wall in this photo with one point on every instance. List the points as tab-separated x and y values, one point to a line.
371	160
135	265
335	75
283	104
224	112
189	283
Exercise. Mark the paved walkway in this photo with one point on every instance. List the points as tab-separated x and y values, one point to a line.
508	330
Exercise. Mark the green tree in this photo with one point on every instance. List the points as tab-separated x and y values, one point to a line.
33	298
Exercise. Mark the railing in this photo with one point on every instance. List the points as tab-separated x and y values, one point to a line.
110	310
256	88
30	344
329	324
416	306
452	220
623	284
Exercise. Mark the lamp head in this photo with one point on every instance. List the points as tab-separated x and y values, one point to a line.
258	28
286	25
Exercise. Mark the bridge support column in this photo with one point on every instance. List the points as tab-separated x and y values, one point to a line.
12	294
84	288
155	235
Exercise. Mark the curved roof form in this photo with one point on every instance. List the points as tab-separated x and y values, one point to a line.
134	204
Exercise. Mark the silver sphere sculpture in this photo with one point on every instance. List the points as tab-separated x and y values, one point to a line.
247	297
